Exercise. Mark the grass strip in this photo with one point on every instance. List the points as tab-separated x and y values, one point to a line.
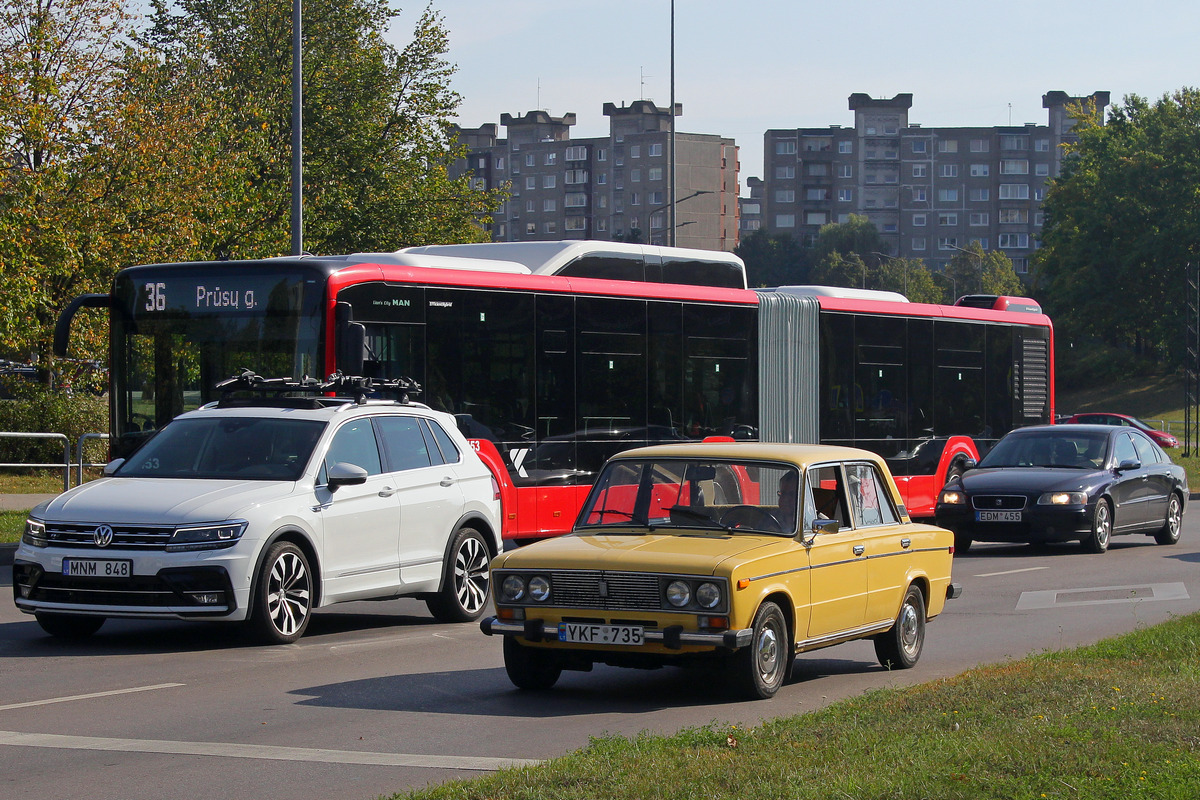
12	525
1119	719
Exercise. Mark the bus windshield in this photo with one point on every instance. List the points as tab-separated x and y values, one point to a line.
176	334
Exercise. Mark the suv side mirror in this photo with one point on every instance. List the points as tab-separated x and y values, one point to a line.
112	466
343	474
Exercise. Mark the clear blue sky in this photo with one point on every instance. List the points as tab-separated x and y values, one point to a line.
743	66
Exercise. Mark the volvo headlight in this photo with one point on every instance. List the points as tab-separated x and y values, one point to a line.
952	498
512	589
539	589
679	594
207	537
35	533
708	595
1063	499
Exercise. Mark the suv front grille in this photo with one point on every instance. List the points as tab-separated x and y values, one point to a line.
125	537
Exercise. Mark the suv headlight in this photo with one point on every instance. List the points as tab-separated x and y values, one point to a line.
1063	499
207	537
35	533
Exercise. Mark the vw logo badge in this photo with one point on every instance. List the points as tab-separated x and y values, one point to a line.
103	536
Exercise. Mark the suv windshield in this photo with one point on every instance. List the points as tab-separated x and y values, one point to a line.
241	448
730	496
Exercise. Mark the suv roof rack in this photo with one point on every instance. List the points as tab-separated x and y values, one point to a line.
352	386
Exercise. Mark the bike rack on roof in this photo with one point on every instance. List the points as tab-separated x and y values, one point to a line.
346	385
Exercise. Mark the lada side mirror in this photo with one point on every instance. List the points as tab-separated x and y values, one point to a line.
819	525
112	466
343	474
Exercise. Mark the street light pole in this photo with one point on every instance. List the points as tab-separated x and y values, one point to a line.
671	188
893	258
671	206
297	136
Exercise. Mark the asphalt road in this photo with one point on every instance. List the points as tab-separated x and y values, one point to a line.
378	698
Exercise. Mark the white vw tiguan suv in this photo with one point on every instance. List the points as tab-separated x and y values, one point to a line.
261	509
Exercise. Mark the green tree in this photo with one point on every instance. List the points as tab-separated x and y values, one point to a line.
1122	233
909	277
843	269
974	271
378	141
856	235
772	260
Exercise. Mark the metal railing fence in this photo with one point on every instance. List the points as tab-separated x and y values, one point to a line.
67	461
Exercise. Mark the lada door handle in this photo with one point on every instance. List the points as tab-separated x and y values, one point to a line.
906	543
859	549
387	491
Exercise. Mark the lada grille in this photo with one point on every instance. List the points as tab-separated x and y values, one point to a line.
606	590
998	502
125	537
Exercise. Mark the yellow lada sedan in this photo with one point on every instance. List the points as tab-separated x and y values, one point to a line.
739	554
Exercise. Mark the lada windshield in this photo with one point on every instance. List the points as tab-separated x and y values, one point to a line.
238	448
729	496
1049	449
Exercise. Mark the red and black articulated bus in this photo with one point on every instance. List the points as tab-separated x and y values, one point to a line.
553	356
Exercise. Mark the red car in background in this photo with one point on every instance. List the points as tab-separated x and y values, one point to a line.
1161	438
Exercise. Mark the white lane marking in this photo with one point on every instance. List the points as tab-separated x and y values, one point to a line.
258	751
1139	593
53	700
1010	572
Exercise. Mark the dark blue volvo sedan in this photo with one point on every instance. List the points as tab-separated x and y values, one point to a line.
1060	483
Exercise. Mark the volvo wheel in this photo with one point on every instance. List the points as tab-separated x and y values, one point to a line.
1102	524
1169	533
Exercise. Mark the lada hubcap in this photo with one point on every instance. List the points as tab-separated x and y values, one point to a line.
768	653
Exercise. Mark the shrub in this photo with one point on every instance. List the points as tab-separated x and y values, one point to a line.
36	409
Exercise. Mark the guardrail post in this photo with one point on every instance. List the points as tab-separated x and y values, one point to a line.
79	451
66	462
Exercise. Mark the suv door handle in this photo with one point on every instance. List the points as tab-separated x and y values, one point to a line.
447	481
387	491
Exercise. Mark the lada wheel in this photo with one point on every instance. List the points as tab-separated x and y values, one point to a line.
529	668
760	669
1097	542
283	597
901	646
464	590
69	626
1169	534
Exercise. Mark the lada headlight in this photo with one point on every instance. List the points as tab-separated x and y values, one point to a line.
512	589
1063	499
950	497
679	594
207	537
708	595
35	533
539	589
